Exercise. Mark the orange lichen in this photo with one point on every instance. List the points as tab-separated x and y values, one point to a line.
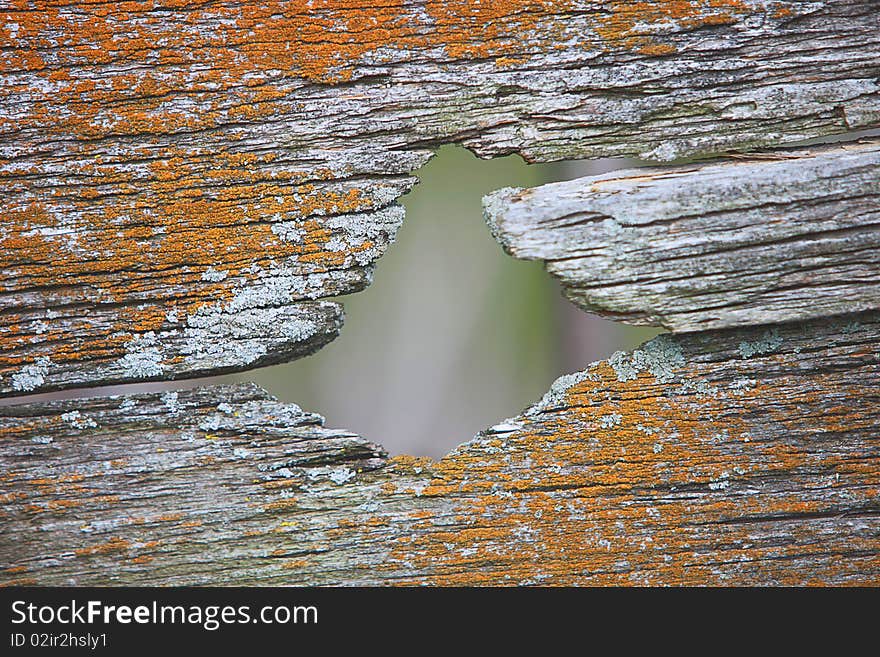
280	483
190	524
115	544
280	505
53	505
595	503
637	25
657	50
407	463
20	582
782	12
169	517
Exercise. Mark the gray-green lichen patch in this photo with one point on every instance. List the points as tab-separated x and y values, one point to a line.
620	363
742	385
769	342
659	356
267	315
237	339
143	357
338	475
170	400
721	482
357	229
555	397
31	376
609	421
289	231
78	421
128	404
260	314
245	416
700	386
214	275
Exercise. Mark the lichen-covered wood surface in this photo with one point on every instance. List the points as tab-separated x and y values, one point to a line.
742	242
185	184
745	456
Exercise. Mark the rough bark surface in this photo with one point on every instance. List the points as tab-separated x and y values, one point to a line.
184	183
723	457
756	241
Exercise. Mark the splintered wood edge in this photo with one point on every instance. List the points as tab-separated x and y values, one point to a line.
744	456
183	188
792	235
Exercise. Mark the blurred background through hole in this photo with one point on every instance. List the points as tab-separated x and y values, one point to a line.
453	335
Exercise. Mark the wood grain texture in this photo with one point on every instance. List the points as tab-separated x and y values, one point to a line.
756	241
726	457
185	184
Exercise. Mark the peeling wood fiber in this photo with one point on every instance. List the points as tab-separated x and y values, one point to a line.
755	241
745	456
185	184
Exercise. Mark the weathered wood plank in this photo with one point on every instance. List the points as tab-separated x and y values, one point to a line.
183	183
727	457
756	241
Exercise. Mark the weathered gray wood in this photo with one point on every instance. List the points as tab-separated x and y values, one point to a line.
754	241
182	185
726	457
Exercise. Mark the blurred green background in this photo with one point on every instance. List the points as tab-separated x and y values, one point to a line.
453	335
